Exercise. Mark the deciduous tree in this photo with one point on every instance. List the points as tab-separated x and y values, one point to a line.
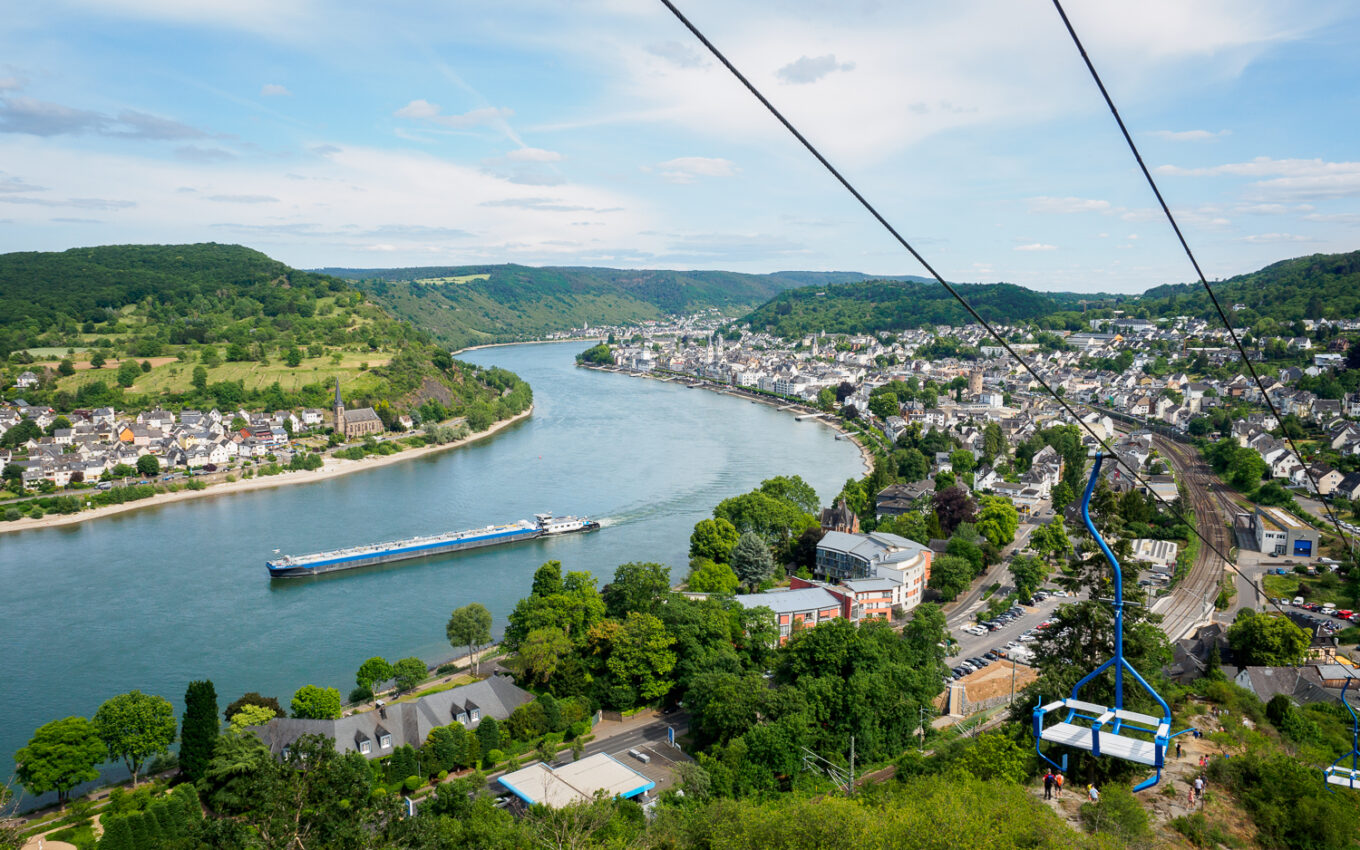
470	626
136	726
374	671
709	577
60	755
409	672
1266	640
636	587
713	539
950	575
316	703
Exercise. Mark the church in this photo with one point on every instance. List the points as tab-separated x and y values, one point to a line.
354	423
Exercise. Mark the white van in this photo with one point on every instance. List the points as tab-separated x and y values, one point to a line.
1298	600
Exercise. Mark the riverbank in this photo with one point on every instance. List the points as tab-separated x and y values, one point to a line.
526	342
331	468
783	405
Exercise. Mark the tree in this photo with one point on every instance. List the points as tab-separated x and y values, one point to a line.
66	368
293	357
60	755
372	672
962	461
640	655
636	587
541	651
713	539
136	726
470	626
1266	640
751	560
148	466
710	577
953	506
97	360
993	440
792	489
992	755
251	715
313	702
912	465
547	579
997	520
1028	573
199	729
252	698
488	734
200	378
950	575
409	672
1051	540
128	372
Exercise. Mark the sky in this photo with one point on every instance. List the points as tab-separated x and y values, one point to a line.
599	132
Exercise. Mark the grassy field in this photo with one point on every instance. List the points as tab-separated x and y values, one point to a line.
463	278
1317	589
177	376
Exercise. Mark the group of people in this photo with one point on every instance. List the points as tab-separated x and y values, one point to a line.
1196	793
1053	784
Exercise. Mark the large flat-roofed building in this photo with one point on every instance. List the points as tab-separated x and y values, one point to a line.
1279	532
842	556
578	782
803	608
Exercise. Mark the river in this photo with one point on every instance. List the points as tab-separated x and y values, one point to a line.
154	598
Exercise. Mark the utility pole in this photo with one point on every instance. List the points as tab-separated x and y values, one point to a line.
836	773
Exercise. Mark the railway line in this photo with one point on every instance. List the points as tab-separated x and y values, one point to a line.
1191	604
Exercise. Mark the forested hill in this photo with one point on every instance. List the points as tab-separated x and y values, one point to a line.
880	305
467	305
134	326
1314	287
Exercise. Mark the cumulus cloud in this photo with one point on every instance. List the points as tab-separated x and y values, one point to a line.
686	168
1189	135
274	90
533	155
677	54
423	110
1036	246
810	69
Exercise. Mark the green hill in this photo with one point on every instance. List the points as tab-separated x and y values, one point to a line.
1313	287
206	325
469	305
878	305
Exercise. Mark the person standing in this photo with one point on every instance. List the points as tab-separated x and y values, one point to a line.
1048	785
1093	793
1058	783
1178	749
1199	788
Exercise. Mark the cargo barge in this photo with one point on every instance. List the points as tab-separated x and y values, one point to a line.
543	525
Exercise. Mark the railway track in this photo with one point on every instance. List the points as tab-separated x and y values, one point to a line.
1191	604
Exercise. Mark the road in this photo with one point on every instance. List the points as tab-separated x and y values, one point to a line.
1191	604
999	573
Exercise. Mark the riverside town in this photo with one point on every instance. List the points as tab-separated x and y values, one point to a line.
680	426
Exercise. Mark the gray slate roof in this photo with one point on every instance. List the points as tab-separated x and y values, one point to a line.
408	722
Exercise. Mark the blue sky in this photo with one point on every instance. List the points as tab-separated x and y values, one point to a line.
597	132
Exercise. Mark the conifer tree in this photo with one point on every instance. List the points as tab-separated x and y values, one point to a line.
143	837
117	833
198	729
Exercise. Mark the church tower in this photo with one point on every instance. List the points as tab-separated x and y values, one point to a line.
339	409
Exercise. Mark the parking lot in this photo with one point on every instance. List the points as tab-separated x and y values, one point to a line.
1017	628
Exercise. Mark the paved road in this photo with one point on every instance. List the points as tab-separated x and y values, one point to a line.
998	573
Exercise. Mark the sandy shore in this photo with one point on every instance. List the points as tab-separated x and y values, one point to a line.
332	468
527	342
866	456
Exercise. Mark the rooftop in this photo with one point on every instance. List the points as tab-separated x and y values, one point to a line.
577	782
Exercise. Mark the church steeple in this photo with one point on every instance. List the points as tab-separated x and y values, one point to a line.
339	408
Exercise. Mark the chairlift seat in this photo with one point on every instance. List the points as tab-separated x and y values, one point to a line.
1344	776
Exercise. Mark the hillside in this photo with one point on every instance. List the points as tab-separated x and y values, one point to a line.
468	305
1313	287
136	326
877	305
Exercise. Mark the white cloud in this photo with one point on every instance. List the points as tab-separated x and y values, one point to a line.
274	90
533	155
423	110
1189	135
681	55
1273	238
809	69
1036	246
686	168
1288	179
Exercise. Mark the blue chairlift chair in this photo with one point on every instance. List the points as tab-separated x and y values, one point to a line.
1098	729
1347	777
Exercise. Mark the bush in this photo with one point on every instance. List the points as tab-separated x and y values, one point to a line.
412	783
450	667
360	695
12	514
1201	832
493	758
443	774
1118	814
